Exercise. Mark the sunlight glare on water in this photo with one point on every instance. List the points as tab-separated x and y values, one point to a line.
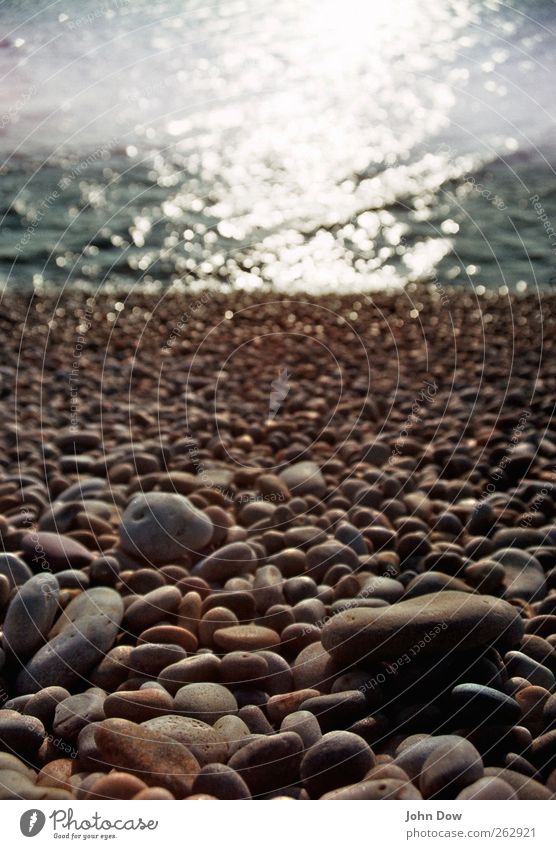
296	145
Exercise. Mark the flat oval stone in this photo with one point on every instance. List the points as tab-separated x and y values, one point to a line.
473	704
305	724
169	634
200	668
151	609
21	734
94	602
304	478
268	764
236	558
339	758
240	667
30	616
522	666
14	569
449	768
153	757
151	658
337	710
75	712
246	638
412	757
488	787
205	701
385	788
524	787
440	621
221	782
138	705
162	527
524	575
44	703
55	552
70	656
203	741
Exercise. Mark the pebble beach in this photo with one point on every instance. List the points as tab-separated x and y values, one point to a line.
269	547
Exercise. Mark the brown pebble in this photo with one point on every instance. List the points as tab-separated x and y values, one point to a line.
246	638
117	785
153	757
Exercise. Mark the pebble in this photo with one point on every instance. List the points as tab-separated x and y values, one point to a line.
519	664
153	757
221	782
55	552
200	668
76	712
151	658
305	724
30	616
524	575
151	609
138	705
236	558
415	752
488	787
169	634
473	704
93	602
70	656
269	764
246	638
337	710
385	633
162	527
450	768
43	704
380	789
22	734
117	785
15	570
205	701
304	478
338	759
204	741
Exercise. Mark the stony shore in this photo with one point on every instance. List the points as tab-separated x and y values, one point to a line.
265	548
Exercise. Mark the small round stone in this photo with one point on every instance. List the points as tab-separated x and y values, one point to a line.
205	701
203	741
338	759
30	616
449	768
221	782
161	527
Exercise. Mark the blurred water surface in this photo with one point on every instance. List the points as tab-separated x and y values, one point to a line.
317	145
